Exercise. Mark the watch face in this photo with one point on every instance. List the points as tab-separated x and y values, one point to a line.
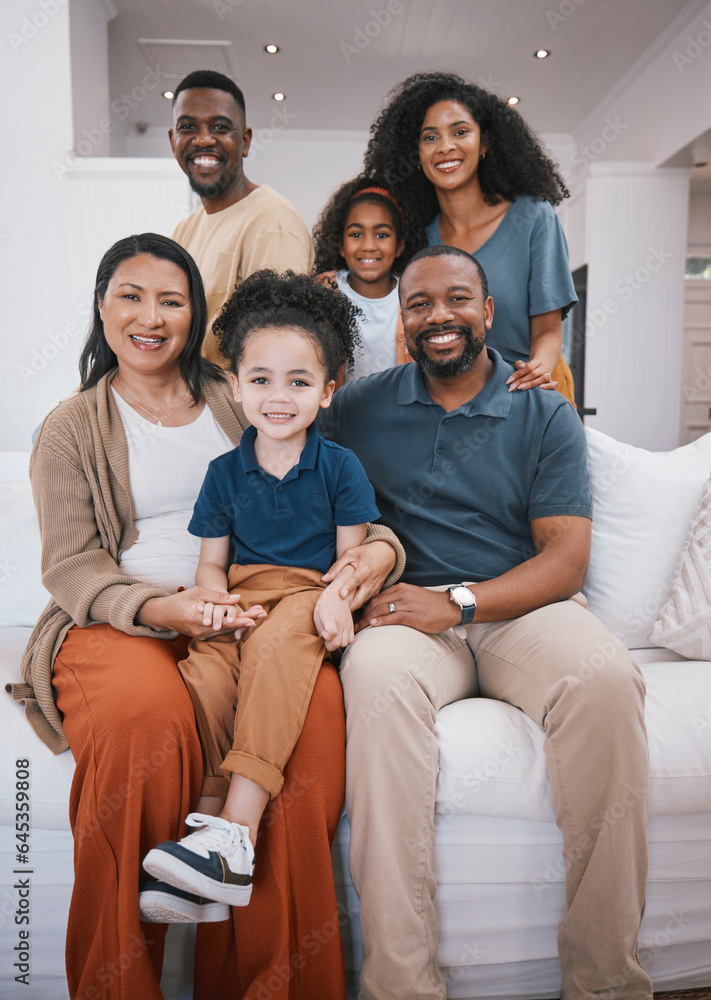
463	596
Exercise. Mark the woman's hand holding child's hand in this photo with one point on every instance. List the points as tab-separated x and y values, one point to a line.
187	612
229	616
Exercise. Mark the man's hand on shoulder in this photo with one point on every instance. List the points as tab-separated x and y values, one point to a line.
428	611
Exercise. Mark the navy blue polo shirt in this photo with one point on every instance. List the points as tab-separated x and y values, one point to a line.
288	522
460	489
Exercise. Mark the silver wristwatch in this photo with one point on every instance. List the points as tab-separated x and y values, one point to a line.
465	599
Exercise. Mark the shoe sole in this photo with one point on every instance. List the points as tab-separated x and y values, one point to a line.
159	908
170	869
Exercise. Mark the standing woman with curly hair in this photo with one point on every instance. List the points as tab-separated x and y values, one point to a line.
469	173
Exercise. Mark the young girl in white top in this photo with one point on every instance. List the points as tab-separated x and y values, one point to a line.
358	240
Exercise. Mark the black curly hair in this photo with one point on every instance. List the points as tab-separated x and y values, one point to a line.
289	301
515	163
328	231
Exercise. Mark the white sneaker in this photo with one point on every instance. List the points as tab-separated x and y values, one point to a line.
215	862
160	903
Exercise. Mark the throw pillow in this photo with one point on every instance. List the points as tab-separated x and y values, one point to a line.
684	623
643	505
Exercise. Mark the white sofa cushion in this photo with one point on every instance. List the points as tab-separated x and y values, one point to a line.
22	596
51	775
643	503
684	623
491	754
492	761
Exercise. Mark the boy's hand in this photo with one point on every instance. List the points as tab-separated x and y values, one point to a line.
333	619
226	616
183	611
248	619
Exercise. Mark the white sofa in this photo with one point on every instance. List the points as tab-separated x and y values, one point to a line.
498	852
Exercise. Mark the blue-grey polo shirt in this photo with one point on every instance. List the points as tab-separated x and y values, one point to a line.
287	522
460	488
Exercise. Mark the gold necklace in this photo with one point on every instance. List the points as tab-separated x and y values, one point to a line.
159	422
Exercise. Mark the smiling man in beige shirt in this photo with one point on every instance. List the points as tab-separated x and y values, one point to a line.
241	226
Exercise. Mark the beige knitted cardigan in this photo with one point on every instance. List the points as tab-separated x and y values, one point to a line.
81	456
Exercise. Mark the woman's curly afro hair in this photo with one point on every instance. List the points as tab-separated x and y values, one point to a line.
514	164
328	231
289	301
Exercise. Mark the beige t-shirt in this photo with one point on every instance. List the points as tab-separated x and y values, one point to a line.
261	230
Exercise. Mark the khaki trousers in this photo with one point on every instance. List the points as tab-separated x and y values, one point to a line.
565	670
253	695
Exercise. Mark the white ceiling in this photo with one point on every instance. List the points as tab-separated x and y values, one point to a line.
330	86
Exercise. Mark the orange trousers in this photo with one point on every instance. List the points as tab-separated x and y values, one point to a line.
131	728
251	697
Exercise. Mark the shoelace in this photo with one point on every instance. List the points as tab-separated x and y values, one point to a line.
213	833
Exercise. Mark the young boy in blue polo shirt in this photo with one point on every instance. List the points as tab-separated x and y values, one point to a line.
273	514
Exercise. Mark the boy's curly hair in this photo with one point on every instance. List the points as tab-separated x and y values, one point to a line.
328	231
514	164
289	301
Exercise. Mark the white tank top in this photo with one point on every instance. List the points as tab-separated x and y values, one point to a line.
166	467
376	328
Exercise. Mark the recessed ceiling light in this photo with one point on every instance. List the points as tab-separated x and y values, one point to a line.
271	49
279	97
168	94
513	100
542	53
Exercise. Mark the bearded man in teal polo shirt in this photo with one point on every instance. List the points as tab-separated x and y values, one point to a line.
487	487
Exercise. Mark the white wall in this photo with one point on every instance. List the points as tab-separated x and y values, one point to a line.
661	105
89	49
110	198
635	246
306	167
627	202
572	215
40	291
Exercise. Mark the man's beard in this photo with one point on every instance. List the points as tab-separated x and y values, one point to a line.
210	190
449	367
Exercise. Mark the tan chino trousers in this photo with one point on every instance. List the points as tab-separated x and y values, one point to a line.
253	695
565	670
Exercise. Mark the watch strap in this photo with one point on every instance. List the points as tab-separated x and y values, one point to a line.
468	615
